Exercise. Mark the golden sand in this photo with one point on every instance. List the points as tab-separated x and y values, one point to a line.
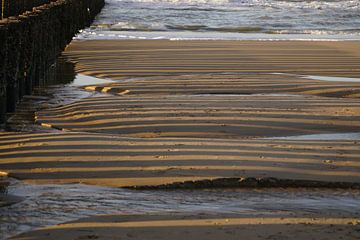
201	226
118	59
202	115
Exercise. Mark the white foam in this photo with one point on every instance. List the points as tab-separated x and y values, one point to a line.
190	35
181	2
323	136
325	20
84	80
332	79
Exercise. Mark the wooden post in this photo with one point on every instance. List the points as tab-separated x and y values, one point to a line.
3	55
5	9
29	29
12	67
2	6
32	40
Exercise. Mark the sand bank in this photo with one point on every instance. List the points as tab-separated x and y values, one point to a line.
202	226
118	59
166	129
201	116
209	116
102	159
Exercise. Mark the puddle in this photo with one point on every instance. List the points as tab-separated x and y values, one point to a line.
322	136
63	87
321	78
331	79
84	80
249	95
23	119
238	95
45	205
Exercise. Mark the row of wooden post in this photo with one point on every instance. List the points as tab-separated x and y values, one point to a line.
16	7
31	42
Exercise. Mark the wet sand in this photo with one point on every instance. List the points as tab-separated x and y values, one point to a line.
201	116
108	160
206	116
201	226
118	59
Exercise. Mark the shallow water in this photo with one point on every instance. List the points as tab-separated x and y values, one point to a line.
45	205
332	79
103	34
321	78
323	136
63	88
227	19
245	95
84	80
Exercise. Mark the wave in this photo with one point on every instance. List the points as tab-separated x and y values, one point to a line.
240	29
230	17
159	27
316	32
128	26
181	2
304	4
192	35
203	9
141	27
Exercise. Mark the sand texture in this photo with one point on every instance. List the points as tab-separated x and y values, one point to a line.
207	115
201	226
165	129
117	59
118	161
197	111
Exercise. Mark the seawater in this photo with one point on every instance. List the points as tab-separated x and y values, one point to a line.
227	19
45	205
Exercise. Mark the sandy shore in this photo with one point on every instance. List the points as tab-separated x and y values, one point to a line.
118	59
71	157
204	114
201	226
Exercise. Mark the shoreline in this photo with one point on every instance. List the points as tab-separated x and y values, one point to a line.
90	34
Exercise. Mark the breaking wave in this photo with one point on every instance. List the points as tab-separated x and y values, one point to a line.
339	18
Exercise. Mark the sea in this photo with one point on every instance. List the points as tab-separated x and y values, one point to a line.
329	20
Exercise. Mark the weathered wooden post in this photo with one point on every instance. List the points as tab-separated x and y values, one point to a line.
22	45
48	40
15	7
38	48
11	8
5	8
28	48
3	55
12	66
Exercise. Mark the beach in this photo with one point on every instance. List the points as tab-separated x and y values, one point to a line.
116	59
213	124
201	114
201	226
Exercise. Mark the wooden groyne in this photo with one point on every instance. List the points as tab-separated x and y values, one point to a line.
17	7
31	41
